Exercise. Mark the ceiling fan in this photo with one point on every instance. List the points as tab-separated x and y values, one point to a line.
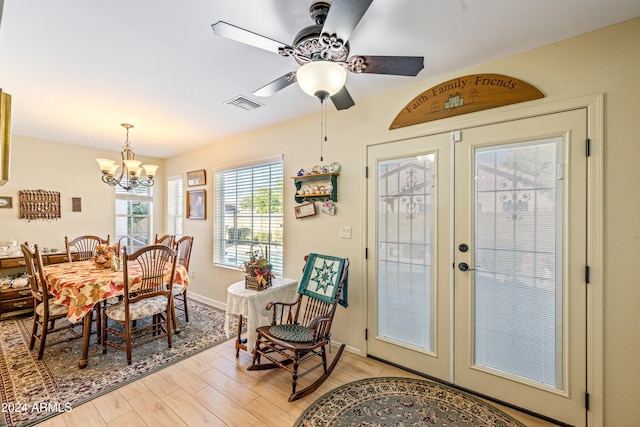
324	43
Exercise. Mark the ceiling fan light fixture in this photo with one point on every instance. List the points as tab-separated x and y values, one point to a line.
321	79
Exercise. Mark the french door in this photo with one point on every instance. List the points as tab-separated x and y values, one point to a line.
477	276
409	299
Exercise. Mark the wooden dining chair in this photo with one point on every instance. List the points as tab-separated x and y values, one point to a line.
183	248
45	311
300	331
167	240
85	247
147	295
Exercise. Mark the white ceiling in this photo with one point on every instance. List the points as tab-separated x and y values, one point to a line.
76	69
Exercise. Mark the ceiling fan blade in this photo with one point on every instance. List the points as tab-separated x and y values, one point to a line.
229	31
344	16
276	85
396	65
342	100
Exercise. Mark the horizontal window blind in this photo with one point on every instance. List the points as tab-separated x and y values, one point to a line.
248	213
174	206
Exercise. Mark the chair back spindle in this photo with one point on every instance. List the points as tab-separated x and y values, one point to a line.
152	261
183	246
167	240
85	246
31	268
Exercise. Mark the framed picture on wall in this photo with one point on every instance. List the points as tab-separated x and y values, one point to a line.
196	203
6	202
195	178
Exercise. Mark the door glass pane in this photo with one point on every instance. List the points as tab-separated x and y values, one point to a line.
518	256
405	233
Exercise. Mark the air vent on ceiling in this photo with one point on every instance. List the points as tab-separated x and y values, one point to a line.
243	103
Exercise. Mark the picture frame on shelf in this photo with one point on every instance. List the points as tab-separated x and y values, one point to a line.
305	210
195	178
6	202
196	204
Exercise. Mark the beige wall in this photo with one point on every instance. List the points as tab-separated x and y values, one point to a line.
606	61
72	171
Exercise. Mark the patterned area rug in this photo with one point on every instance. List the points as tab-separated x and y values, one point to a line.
33	390
393	401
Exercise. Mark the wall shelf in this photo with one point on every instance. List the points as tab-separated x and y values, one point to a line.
326	180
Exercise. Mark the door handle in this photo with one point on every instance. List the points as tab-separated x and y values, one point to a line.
463	266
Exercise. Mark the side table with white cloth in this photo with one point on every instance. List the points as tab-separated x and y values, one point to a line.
251	304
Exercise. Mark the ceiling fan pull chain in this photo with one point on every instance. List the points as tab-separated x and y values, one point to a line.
323	125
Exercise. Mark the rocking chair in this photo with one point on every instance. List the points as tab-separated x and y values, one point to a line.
301	330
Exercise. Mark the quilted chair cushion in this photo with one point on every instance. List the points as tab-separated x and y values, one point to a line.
54	309
144	308
177	289
113	300
293	333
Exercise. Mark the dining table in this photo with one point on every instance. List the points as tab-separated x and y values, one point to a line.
80	286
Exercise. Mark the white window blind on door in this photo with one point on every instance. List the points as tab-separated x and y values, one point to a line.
518	245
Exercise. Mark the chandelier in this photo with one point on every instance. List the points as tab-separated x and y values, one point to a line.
130	175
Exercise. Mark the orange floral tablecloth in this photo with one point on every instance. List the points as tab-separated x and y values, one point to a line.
80	285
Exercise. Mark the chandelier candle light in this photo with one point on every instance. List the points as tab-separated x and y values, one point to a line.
131	172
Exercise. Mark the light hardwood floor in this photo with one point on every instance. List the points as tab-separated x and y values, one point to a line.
213	388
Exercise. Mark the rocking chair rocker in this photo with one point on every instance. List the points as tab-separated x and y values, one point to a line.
301	330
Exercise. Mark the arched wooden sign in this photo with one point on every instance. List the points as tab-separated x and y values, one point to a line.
465	95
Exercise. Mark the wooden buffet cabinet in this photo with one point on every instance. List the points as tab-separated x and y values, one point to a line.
14	301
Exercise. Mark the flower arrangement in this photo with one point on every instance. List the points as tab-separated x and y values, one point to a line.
257	270
104	255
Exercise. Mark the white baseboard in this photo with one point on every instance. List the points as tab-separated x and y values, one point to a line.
208	301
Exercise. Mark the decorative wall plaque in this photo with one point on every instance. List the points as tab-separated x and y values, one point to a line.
76	204
465	95
305	209
39	205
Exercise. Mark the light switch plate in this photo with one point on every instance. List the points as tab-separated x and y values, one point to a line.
345	232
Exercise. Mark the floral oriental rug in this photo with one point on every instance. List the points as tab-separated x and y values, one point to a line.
394	401
33	390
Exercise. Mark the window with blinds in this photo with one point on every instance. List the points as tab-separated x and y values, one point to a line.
134	217
248	213
174	206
